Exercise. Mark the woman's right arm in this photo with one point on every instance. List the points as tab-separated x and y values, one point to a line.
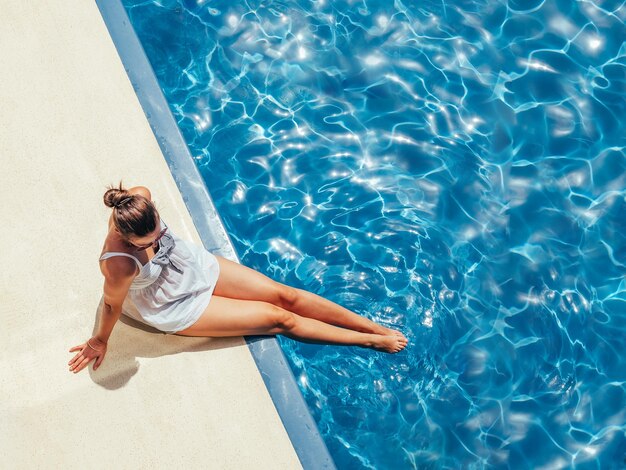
115	291
118	276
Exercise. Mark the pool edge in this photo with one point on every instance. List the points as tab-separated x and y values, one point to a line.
267	354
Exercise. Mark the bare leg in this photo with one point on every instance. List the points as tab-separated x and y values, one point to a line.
240	282
311	305
232	317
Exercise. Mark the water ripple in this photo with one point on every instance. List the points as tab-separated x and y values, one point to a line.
456	170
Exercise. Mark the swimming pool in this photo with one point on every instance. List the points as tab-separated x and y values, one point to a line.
453	170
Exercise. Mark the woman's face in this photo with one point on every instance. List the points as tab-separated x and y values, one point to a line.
148	240
151	239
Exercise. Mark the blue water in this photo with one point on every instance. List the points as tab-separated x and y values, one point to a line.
456	170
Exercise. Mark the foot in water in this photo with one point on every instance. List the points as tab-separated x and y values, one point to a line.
383	330
391	343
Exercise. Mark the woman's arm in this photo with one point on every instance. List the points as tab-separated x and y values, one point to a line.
116	288
118	276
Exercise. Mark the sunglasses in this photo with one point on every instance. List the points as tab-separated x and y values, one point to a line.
156	240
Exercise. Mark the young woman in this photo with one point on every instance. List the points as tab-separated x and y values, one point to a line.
180	288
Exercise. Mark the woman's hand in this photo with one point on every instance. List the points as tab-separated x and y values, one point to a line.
93	348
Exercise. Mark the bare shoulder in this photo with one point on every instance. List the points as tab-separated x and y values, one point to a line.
118	269
142	191
119	272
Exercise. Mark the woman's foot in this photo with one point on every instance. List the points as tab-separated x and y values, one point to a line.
383	330
391	343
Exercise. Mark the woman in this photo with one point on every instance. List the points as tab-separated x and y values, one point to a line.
181	288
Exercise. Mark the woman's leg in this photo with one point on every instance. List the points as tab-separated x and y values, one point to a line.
240	282
233	317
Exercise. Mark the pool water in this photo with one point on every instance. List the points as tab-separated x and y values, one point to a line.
455	170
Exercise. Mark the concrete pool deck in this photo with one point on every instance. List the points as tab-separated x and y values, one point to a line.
71	125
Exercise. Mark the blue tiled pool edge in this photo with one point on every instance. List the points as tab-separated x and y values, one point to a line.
269	358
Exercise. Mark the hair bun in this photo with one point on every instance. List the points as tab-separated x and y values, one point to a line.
113	196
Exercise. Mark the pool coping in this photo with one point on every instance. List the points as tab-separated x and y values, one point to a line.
268	356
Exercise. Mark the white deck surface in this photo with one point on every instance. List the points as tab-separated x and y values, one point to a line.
70	124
